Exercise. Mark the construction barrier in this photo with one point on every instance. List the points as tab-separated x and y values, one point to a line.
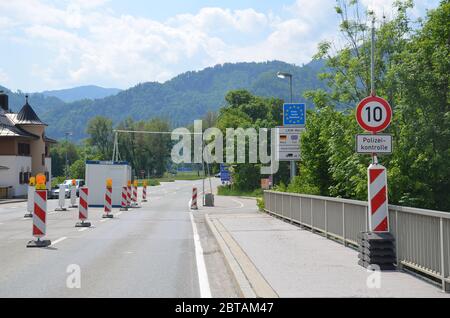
40	214
144	192
194	199
108	196
134	198
30	200
129	194
83	208
124	202
73	194
378	199
61	198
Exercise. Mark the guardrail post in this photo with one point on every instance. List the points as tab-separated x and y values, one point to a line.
445	285
397	245
312	217
326	220
301	211
367	218
343	224
290	208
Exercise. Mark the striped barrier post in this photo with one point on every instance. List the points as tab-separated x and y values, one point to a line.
135	204
129	194
61	198
134	194
124	202
144	192
194	205
30	201
378	199
108	200
40	214
83	208
73	195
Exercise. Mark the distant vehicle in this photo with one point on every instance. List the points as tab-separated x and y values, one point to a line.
54	193
217	175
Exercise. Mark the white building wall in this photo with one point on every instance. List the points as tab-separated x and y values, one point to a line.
10	177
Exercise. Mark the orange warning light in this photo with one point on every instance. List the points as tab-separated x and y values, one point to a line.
74	182
129	183
40	180
135	183
145	183
32	181
109	183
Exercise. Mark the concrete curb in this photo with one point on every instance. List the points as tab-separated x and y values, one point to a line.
245	290
250	281
13	201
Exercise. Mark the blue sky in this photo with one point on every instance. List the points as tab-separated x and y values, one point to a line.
53	44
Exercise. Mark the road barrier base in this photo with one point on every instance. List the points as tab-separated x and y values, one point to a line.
144	200
123	209
61	209
73	206
377	249
83	224
28	215
39	243
107	216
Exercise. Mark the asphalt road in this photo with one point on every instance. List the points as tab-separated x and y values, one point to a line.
146	252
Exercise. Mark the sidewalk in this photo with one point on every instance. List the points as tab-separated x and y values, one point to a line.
7	201
271	258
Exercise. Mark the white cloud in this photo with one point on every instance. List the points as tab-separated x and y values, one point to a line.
87	43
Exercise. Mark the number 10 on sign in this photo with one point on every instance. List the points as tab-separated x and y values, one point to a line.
374	114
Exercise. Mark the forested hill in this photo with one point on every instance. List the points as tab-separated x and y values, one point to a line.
181	100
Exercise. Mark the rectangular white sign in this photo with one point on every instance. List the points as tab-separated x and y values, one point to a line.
374	144
288	144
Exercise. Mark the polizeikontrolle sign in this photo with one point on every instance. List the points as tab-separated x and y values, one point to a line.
374	143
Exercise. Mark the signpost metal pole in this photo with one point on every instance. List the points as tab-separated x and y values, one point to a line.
293	173
372	76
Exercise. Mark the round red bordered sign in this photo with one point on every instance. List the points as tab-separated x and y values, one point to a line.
373	114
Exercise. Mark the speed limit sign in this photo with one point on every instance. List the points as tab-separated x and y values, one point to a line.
374	114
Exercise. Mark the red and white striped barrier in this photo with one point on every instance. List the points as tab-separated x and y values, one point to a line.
134	194
144	193
108	203
378	199
83	208
129	196
61	198
124	202
39	219
194	199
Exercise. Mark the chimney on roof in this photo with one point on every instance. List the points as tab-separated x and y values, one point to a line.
4	101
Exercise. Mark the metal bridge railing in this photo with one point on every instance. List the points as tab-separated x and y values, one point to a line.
422	236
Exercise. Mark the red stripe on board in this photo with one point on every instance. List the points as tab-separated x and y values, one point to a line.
81	216
40	213
42	194
374	173
378	200
108	199
83	204
37	231
383	226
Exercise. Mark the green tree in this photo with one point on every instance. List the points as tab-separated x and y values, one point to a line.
101	135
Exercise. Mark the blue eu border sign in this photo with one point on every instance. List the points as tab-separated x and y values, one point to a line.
294	115
224	173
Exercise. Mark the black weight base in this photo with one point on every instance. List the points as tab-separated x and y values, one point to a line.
377	249
73	206
61	209
123	209
28	215
144	200
39	243
107	216
83	224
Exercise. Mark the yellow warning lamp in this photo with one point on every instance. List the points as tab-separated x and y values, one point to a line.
129	183
74	182
109	183
32	181
40	180
145	183
135	183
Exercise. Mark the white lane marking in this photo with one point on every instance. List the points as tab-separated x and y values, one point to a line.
83	229
104	220
59	240
238	202
203	282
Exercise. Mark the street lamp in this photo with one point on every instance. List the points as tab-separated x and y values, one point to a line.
284	75
67	133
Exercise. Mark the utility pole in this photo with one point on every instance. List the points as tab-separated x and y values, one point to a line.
67	133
